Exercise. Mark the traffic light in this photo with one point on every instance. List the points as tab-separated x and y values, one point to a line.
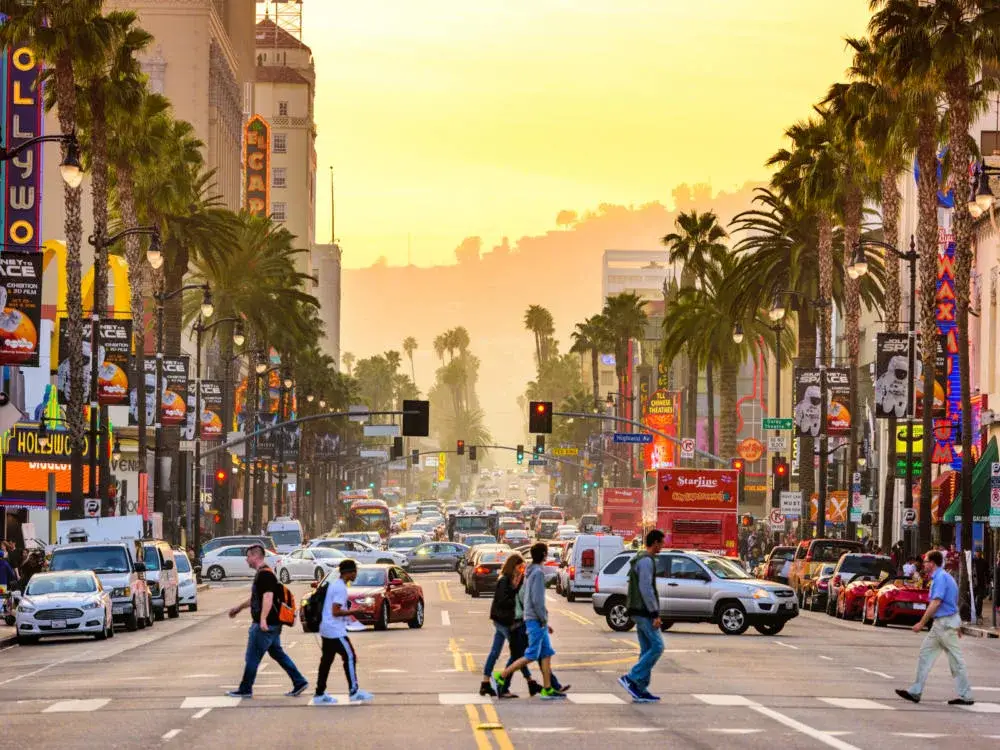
217	517
220	476
746	520
219	490
460	447
397	448
371	485
737	463
415	457
520	454
539	445
416	418
472	453
540	417
779	469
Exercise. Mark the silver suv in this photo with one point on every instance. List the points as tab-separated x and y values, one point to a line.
698	587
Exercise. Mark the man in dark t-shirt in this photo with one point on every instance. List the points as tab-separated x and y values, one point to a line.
265	628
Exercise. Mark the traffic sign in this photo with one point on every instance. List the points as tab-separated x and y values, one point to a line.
92	507
995	500
565	451
777	443
778	423
791	503
995	474
687	448
777	520
909	518
632	437
537	462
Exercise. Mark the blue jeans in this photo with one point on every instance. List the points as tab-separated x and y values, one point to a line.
650	650
501	634
268	642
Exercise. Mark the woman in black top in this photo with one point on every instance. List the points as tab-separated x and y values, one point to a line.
505	616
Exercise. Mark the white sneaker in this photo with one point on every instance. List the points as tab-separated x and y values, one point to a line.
323	700
362	696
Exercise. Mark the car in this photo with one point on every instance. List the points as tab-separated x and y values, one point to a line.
427	528
810	556
484	572
466	559
405	543
850	601
698	587
550	567
231	562
361	551
471	540
546	530
161	577
589	523
774	563
817	590
286	533
228	541
187	584
854	564
435	556
71	602
582	560
308	563
896	600
516	537
384	594
368	537
119	568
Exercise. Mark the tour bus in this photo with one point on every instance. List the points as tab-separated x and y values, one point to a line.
696	509
370	515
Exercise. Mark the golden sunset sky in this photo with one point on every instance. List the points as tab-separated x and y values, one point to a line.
450	118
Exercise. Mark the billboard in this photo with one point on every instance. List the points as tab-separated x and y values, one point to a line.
256	162
22	175
114	350
662	414
20	308
697	489
27	465
808	411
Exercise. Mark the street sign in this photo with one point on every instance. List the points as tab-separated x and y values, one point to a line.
537	462
375	453
778	423
430	462
92	507
381	430
857	478
687	448
236	505
237	450
777	520
358	412
398	465
791	503
995	500
565	451
632	437
909	518
777	443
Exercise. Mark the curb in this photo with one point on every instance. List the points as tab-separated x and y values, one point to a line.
9	640
202	587
977	632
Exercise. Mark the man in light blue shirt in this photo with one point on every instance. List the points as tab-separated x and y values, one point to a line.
944	636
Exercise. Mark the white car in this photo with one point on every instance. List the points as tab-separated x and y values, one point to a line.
309	562
64	603
361	552
187	585
231	562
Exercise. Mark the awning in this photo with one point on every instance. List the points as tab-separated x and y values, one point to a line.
980	488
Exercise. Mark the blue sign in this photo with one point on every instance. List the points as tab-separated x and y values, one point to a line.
633	437
537	462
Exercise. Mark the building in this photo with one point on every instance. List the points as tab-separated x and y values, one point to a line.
326	260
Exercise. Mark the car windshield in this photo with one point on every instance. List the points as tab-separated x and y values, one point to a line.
97	559
41	585
151	558
291	536
724	568
866	565
370	577
325	553
182	562
404	542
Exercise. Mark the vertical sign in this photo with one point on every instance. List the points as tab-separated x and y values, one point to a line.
173	406
257	157
808	402
20	308
663	415
211	410
946	430
22	174
892	375
838	401
114	353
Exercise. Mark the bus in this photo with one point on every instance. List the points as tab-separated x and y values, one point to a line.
461	524
696	509
369	515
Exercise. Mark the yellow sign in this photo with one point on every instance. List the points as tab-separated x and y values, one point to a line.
918	438
565	451
442	466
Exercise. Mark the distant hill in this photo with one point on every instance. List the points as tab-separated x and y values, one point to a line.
487	291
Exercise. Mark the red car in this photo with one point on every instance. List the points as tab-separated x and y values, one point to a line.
896	601
384	594
851	599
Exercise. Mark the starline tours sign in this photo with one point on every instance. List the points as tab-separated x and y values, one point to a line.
256	162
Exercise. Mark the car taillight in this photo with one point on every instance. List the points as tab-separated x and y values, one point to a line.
808	557
481	570
837	581
551	564
823	585
572	572
597	587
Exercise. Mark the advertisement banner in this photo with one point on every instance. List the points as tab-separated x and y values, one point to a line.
26	465
22	175
697	489
20	308
892	375
836	507
114	352
211	411
808	402
838	402
148	381
173	405
256	162
662	414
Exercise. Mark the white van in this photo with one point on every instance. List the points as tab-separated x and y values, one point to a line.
286	533
589	554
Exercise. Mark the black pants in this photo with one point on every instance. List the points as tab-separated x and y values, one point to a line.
331	648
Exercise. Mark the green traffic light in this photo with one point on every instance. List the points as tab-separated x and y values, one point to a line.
347	488
371	485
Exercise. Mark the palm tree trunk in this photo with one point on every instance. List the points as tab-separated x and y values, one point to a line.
413	371
728	377
825	245
891	200
852	232
806	335
175	267
595	370
710	395
137	282
692	406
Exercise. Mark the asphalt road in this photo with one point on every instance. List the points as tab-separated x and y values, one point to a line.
820	683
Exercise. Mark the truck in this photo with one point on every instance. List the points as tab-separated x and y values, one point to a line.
696	509
286	533
461	524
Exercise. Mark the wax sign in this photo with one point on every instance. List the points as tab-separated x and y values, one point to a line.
257	157
22	175
27	464
20	308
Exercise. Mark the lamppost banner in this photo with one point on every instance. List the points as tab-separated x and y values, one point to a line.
808	402
20	308
173	405
211	411
838	401
892	375
114	352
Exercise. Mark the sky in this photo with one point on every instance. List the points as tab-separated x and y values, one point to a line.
445	119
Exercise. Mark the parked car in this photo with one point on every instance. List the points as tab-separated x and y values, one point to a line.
308	563
810	556
817	590
161	577
775	562
384	594
435	556
228	541
583	559
64	603
857	564
231	562
850	601
698	587
484	572
896	601
187	583
360	551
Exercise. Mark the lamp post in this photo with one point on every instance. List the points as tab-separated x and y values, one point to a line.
857	269
262	368
286	387
70	167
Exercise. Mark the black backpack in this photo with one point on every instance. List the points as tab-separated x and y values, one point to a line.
312	609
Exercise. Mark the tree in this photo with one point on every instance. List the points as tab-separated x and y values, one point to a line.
410	346
626	319
592	336
539	321
348	359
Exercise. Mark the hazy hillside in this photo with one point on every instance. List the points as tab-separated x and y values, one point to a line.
488	289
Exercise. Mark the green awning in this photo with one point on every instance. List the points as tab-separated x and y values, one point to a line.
980	488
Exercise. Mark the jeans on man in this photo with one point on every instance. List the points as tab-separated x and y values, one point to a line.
943	636
650	650
260	642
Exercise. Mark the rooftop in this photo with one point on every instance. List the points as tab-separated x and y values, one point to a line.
269	34
279	74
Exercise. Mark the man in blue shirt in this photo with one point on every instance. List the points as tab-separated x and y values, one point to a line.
944	635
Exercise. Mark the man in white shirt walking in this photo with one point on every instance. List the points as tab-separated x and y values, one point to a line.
333	630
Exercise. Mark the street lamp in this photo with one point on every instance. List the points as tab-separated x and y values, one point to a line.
322	404
738	334
207	308
43	435
310	398
70	167
239	338
260	367
777	311
154	253
116	451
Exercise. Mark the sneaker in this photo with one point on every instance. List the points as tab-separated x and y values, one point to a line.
297	690
238	694
649	697
323	700
550	694
563	689
507	696
906	695
961	702
486	689
498	683
645	699
362	696
629	686
533	688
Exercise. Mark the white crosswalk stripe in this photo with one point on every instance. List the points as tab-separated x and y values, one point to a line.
860	704
983	708
589	699
89	704
211	701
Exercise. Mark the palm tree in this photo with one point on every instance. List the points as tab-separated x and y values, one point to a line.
626	320
410	346
348	359
539	321
592	336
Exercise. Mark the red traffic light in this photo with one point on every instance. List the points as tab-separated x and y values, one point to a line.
738	464
540	418
460	447
541	407
220	476
217	518
781	469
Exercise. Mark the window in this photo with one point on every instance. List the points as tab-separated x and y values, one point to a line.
279	177
282	109
686	569
233	552
279	210
281	143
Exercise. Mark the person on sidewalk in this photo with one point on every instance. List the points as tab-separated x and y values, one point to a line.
644	606
980	582
333	631
944	635
536	621
265	628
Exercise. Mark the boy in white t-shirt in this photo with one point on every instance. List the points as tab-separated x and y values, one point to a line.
333	630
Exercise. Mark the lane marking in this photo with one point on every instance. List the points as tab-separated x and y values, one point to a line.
390	671
590	699
499	733
630	644
542	730
211	701
456	655
988	689
787	645
73	657
983	708
170	735
579	664
458	699
919	735
826	658
878	674
445	618
482	743
197	676
825	737
87	704
858	704
470	664
634	730
736	731
136	679
201	714
293	644
724	700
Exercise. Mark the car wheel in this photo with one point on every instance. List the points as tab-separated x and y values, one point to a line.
769	628
192	608
102	636
132	623
665	625
831	606
27	640
150	613
382	623
864	615
418	617
111	629
570	596
215	573
175	611
732	618
618	618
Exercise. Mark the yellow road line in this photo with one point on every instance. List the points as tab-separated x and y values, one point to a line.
469	662
482	742
456	655
577	664
500	735
575	617
445	591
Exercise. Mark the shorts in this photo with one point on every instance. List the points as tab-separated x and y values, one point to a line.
539	644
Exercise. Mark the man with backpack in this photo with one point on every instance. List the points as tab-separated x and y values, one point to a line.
644	606
333	630
267	599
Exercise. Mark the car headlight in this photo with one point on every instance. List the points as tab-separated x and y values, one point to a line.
365	601
25	609
122	592
91	605
760	594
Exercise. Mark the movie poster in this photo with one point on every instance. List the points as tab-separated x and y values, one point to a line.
808	411
173	405
838	402
20	308
114	352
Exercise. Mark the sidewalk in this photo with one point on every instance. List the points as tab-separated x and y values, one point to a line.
7	636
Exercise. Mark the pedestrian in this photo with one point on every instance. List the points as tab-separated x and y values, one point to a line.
333	631
265	628
944	635
910	567
980	581
644	606
538	629
503	613
8	576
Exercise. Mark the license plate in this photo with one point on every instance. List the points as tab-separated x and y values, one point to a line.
58	624
920	606
790	605
118	610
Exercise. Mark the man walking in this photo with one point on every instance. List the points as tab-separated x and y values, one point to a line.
265	628
944	635
536	621
644	606
333	631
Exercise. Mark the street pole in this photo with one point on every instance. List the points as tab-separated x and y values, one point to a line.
94	355
279	504
775	491
821	501
199	329
908	536
157	425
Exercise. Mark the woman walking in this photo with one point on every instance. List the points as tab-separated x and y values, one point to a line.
503	613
